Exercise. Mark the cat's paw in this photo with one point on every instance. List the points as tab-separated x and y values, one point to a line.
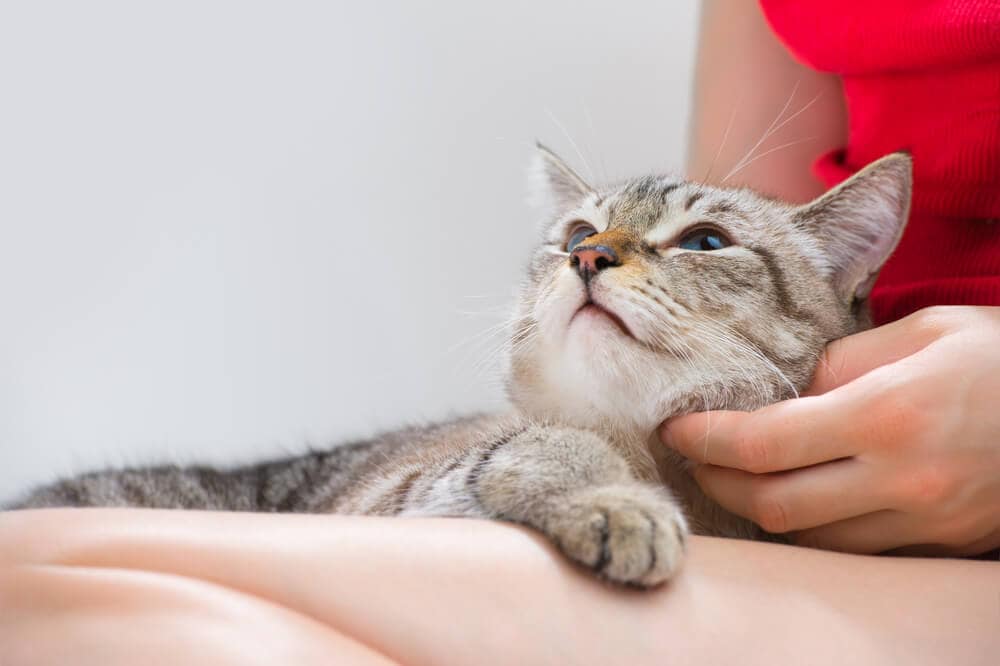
630	534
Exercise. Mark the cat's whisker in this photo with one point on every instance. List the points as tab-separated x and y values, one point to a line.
748	346
702	332
772	129
673	343
491	362
726	341
725	136
765	154
593	137
479	336
522	333
502	309
576	148
666	336
767	132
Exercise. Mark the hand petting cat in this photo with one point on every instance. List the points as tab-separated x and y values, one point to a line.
894	446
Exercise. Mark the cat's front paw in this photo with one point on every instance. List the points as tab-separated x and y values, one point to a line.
630	534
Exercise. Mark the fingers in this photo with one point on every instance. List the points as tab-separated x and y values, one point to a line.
846	359
872	533
796	500
981	546
819	427
786	435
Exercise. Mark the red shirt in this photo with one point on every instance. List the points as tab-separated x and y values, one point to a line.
923	76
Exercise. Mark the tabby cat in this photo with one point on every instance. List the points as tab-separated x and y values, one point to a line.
644	300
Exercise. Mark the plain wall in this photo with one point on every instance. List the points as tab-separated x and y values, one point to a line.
234	229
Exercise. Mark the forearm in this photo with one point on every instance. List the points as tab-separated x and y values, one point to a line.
464	591
51	614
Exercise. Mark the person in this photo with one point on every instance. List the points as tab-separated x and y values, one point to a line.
897	444
900	413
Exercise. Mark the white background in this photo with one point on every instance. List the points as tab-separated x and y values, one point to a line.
232	229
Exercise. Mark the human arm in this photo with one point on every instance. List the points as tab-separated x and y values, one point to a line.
747	83
896	444
82	615
465	591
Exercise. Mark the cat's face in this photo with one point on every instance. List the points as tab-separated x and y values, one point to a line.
660	296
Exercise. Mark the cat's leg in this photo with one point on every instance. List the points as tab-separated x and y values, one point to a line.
572	486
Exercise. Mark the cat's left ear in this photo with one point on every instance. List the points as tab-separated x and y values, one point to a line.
555	183
859	222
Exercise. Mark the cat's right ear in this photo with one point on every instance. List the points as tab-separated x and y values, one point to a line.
554	183
859	222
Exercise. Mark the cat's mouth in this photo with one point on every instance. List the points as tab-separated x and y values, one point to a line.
591	309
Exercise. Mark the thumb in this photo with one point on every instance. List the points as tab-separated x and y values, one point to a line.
846	359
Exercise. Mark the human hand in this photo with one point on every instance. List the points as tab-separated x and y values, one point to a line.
895	444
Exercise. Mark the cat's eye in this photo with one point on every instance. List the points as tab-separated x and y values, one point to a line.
704	239
578	234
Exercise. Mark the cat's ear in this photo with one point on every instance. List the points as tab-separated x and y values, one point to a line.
554	183
859	222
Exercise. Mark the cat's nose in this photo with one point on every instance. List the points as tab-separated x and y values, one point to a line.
591	259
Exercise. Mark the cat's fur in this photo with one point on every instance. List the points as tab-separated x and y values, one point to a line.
732	328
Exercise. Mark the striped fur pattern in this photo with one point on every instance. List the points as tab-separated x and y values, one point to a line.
596	361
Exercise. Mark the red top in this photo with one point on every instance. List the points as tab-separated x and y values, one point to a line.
923	76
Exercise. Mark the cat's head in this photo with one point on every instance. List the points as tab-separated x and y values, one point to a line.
660	296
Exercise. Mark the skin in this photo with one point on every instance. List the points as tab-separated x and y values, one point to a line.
238	588
55	614
895	446
897	442
747	83
200	587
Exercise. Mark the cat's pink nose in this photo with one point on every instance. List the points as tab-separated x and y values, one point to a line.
590	259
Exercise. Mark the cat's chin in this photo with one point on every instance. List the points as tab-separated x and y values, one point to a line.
597	329
601	380
594	318
596	326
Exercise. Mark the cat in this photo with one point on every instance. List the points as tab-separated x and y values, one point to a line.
645	300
